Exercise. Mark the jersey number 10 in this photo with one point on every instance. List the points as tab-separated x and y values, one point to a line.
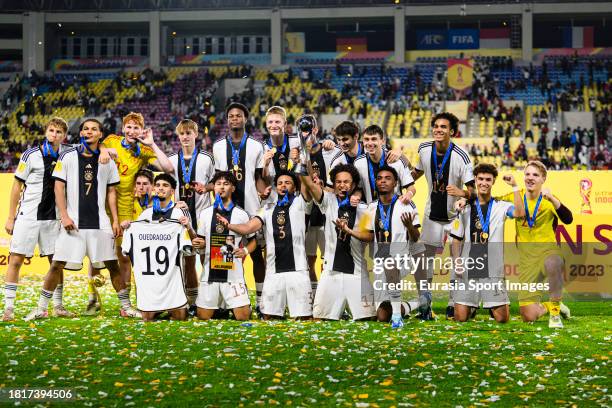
161	256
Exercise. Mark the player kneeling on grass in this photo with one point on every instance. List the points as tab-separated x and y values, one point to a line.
222	281
394	228
478	248
82	188
345	276
155	245
287	280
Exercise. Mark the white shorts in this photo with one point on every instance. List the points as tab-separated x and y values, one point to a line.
71	247
335	290
226	295
491	297
290	289
434	233
315	237
28	233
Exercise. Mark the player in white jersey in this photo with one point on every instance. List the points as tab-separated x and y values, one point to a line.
32	216
166	292
287	282
193	169
242	155
447	168
478	235
222	283
345	277
82	187
374	158
394	228
155	251
279	147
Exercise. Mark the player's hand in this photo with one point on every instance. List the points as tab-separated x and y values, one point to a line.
117	231
104	157
222	220
509	179
318	181
146	138
68	224
407	219
198	243
342	225
546	193
454	191
9	226
183	220
239	253
199	188
266	193
406	197
328	144
112	153
125	225
355	200
460	204
268	155
181	205
393	155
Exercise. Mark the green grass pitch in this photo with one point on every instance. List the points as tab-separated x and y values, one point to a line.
109	361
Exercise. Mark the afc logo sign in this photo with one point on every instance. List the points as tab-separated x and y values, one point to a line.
433	39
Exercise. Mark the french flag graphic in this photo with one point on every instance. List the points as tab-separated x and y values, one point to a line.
578	37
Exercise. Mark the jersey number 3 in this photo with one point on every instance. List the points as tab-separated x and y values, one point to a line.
161	256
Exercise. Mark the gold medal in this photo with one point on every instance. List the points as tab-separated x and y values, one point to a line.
236	167
273	150
478	225
187	186
386	235
485	235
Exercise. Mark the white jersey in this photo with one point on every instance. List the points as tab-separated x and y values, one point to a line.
457	171
280	161
172	213
343	158
285	233
202	171
343	253
468	228
250	160
155	251
86	182
393	240
219	262
321	165
35	170
367	182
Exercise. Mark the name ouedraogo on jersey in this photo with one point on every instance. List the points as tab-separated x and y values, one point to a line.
155	250
86	182
457	171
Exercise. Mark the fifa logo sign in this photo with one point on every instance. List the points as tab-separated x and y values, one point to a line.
585	192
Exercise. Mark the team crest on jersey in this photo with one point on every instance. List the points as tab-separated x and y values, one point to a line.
88	175
282	162
280	219
219	228
315	169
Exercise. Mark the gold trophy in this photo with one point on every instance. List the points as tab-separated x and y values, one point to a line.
585	192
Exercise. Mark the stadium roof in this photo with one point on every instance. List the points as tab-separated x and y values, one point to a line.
123	5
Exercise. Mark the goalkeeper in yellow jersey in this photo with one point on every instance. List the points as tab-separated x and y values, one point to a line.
540	255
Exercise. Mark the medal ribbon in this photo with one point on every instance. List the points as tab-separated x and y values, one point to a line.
286	200
157	208
219	204
531	220
47	150
236	153
371	170
484	222
187	174
283	149
344	203
145	203
440	172
85	146
385	216
135	149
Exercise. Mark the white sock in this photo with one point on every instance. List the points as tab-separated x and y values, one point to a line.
124	298
412	305
192	295
258	290
396	302
10	293
57	295
43	300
